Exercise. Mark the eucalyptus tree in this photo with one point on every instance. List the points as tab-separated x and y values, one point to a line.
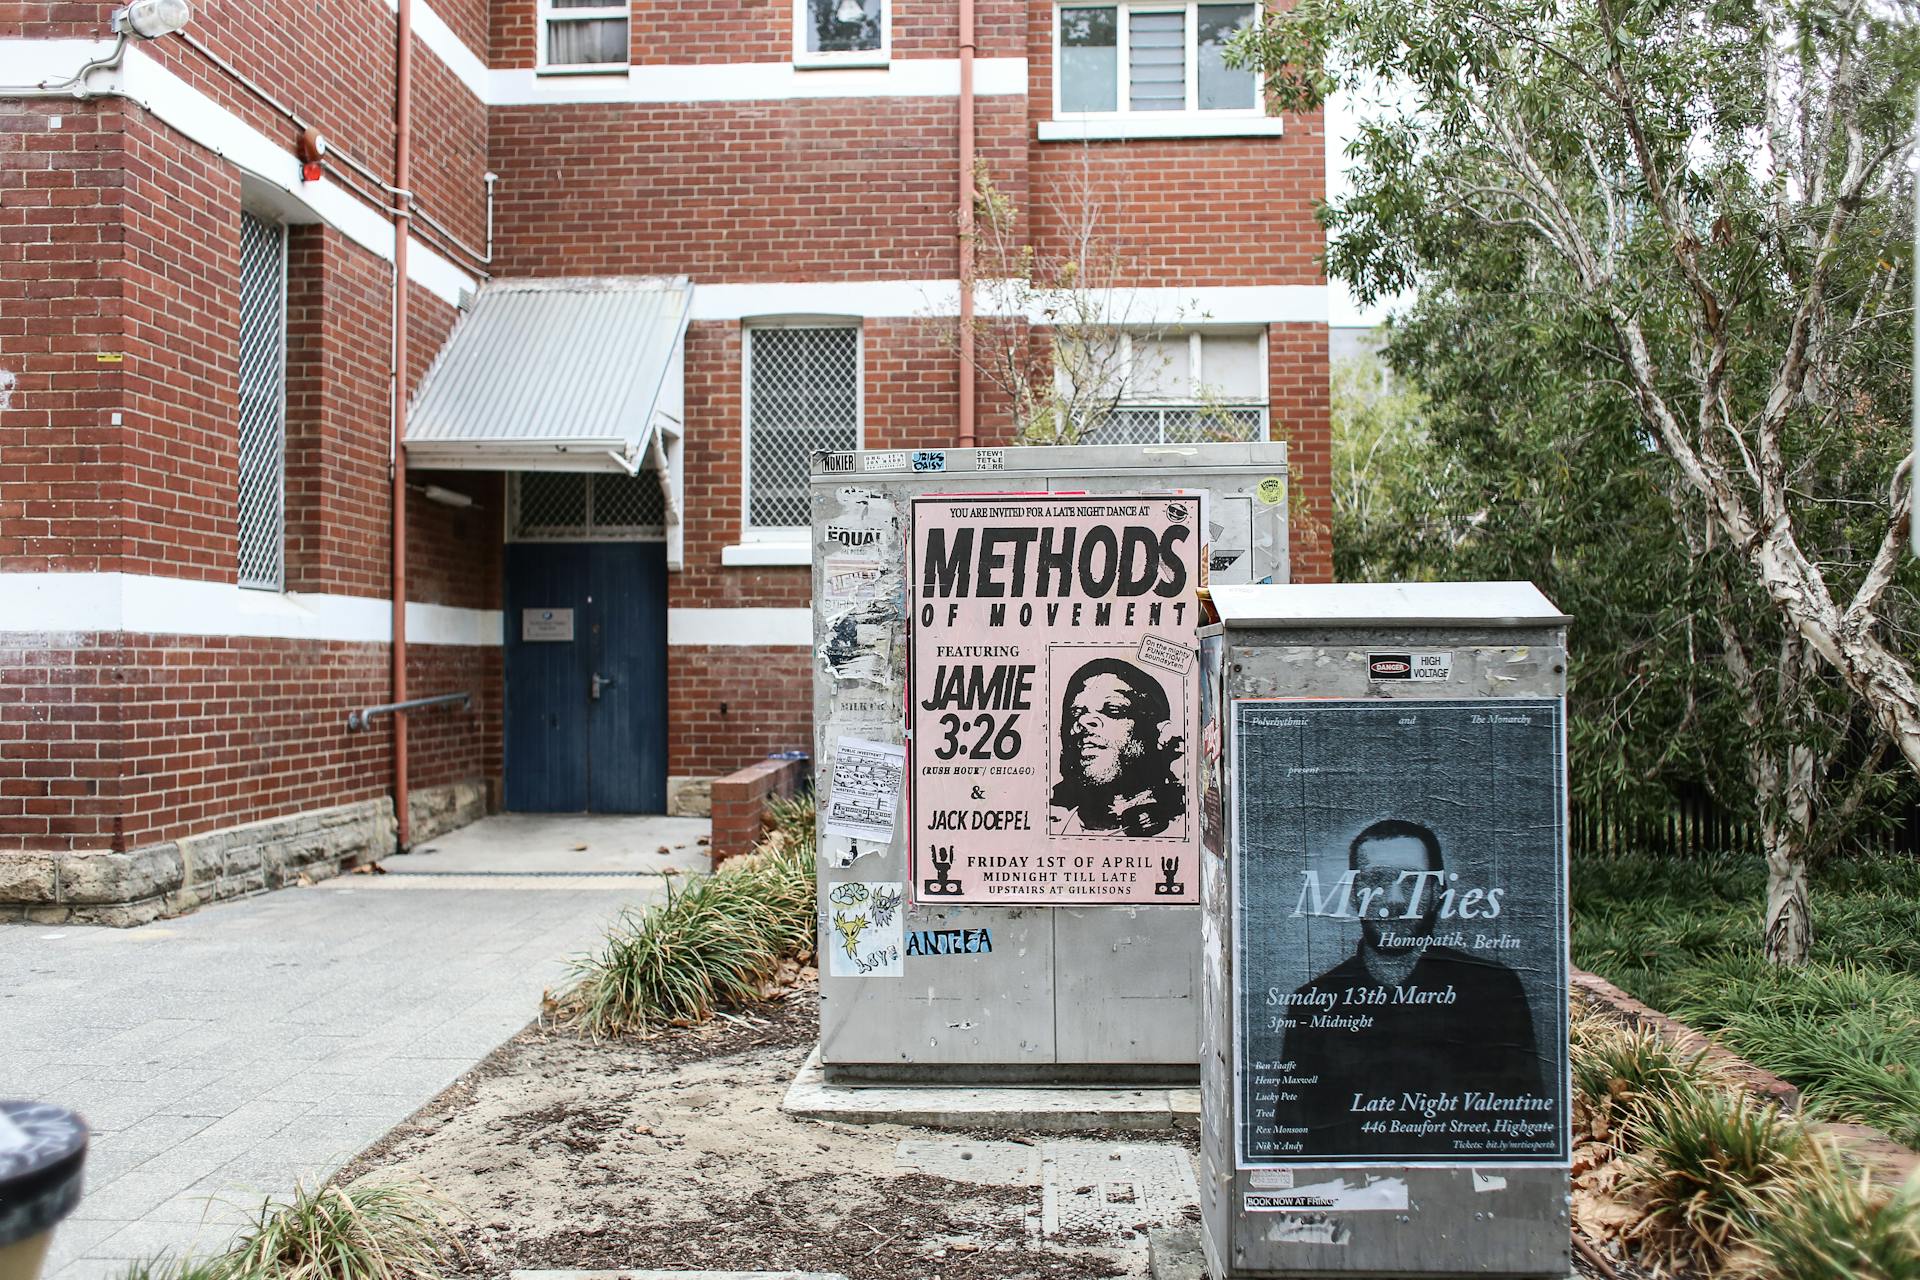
1697	219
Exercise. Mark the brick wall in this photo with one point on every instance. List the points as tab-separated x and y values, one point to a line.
711	31
731	705
116	741
740	804
813	189
62	181
1299	403
119	326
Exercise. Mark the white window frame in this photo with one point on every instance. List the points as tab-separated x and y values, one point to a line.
785	535
1197	383
805	58
545	11
1123	121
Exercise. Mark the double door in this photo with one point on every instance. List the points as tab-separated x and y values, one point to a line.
586	677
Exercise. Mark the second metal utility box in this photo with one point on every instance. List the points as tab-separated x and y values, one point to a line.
1384	1039
915	985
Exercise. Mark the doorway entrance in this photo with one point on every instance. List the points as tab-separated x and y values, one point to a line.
585	665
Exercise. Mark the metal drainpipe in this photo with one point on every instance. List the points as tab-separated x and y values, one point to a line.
397	458
966	224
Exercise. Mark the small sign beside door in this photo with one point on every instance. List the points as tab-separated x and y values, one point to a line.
546	624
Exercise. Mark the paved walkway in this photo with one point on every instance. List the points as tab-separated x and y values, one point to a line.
224	1055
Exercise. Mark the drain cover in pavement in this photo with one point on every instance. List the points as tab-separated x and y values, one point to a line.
992	1164
1109	1186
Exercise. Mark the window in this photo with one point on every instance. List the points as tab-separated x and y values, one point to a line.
571	506
582	35
1188	388
263	403
841	33
803	393
1129	59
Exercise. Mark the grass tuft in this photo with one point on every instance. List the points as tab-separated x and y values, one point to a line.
1683	934
1703	1157
714	942
1833	1222
162	1266
370	1229
367	1230
1620	1072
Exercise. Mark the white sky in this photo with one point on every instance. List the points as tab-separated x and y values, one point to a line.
1342	112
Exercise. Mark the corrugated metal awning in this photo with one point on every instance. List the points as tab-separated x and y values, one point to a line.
563	374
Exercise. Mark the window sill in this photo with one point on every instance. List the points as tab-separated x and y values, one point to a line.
869	61
744	555
1169	126
620	69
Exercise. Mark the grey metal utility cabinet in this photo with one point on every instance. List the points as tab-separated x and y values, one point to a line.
1384	1086
916	982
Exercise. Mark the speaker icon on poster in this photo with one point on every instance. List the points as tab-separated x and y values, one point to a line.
942	884
1168	886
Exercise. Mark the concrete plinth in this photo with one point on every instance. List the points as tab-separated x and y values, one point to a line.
1030	1109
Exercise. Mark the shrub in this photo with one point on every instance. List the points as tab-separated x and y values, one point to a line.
1849	1035
1618	1072
1702	1155
1682	934
369	1229
1832	1222
715	941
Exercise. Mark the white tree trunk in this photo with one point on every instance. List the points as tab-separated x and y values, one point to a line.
1785	828
1789	933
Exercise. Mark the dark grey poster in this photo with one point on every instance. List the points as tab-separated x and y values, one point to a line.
1400	931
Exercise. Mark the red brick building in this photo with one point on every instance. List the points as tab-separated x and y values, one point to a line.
198	376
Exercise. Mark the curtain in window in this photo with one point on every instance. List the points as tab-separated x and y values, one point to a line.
843	26
578	42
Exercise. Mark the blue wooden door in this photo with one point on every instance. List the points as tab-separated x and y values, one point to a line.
586	677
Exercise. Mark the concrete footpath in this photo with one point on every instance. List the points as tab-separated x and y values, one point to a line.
221	1057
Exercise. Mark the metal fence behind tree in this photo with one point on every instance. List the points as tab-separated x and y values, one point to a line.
1692	826
1689	827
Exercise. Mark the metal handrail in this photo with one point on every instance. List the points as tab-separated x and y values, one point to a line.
363	719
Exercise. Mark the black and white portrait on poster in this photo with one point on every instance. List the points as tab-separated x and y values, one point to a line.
1400	931
1119	763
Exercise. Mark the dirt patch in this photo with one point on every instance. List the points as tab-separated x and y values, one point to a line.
672	1152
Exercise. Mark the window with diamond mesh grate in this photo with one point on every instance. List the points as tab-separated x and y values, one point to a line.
263	403
564	506
1179	424
803	393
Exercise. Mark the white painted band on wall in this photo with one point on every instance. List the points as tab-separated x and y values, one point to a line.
905	299
194	115
735	627
755	82
431	30
146	604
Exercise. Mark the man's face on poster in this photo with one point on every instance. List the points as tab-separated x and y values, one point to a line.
1104	733
1384	864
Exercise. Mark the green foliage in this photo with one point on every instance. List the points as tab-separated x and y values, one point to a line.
369	1229
1621	1072
162	1266
1703	1157
715	941
1614	216
1833	1223
1844	1028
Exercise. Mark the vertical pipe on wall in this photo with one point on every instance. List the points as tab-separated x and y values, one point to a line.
397	458
966	224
